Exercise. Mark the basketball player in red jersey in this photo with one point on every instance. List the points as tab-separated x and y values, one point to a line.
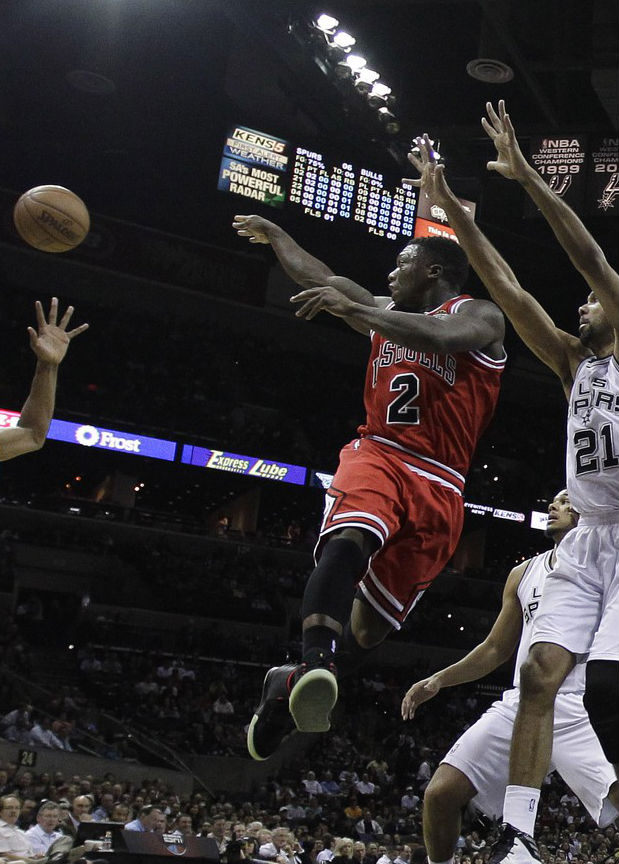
394	512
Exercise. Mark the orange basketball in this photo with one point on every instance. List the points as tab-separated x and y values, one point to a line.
51	218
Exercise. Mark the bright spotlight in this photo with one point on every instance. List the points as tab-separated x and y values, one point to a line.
356	62
344	40
380	89
326	23
368	76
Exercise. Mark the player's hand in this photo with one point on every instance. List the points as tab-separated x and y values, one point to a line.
510	162
254	227
327	299
432	180
419	693
50	340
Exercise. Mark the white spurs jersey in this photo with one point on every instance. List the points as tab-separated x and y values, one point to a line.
530	593
592	462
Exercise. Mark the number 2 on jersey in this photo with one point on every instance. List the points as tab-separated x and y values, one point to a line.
402	410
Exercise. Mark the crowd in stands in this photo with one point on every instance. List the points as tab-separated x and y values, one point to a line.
361	813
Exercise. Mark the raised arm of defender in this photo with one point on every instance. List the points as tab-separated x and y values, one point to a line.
585	254
559	350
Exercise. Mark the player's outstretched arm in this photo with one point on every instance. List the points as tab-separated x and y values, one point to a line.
554	347
584	253
497	647
303	268
49	342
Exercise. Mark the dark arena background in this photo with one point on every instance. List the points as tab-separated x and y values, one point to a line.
153	554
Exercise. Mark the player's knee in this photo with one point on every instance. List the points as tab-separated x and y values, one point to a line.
544	671
601	701
446	791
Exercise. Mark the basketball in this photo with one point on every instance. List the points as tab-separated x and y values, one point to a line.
51	218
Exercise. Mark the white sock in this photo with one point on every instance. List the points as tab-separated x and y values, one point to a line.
520	807
449	861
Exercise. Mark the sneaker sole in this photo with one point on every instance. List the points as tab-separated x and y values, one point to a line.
312	699
250	741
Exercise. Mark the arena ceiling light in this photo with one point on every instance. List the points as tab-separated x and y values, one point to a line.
365	79
343	40
326	23
356	62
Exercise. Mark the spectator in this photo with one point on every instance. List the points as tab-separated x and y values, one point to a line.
358	852
41	735
120	813
365	786
342	851
326	853
311	785
368	828
148	818
14	845
103	813
183	824
218	833
78	812
329	785
409	800
45	832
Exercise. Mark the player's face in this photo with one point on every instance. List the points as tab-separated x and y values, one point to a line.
561	517
408	276
593	327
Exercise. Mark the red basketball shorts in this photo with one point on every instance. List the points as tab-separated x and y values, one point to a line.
418	522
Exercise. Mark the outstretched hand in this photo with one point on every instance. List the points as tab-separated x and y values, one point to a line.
419	693
432	180
253	227
50	341
510	162
325	299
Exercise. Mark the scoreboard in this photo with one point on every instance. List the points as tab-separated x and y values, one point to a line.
272	171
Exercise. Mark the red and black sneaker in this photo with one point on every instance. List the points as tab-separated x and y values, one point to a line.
314	694
272	721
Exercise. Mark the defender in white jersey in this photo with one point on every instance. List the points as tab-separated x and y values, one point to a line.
579	615
476	768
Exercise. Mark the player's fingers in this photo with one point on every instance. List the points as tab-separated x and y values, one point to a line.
77	330
66	317
53	311
494	117
303	295
492	166
38	311
490	130
509	128
407	181
32	333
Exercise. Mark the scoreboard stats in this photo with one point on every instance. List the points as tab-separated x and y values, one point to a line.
272	171
341	192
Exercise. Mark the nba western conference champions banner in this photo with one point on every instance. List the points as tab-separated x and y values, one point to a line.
253	165
603	179
584	175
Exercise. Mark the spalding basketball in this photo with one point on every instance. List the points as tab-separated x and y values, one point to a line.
51	218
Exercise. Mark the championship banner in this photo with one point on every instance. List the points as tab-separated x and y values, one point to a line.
603	177
561	163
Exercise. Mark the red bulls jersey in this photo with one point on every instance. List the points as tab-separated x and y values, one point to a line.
433	406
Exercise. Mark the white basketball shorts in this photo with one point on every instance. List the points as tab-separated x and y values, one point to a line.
482	755
579	609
